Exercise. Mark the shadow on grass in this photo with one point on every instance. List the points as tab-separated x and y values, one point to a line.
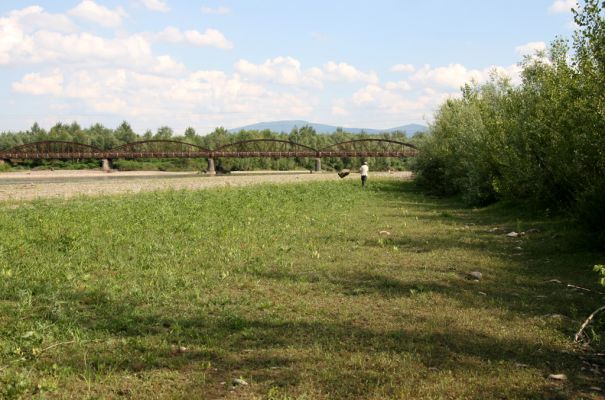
285	349
280	353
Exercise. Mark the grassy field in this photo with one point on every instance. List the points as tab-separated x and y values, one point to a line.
312	291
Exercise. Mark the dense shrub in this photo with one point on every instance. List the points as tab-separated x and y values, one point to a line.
541	141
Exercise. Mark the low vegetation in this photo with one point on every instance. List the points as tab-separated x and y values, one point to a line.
314	291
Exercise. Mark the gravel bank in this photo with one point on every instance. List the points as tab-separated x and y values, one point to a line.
64	184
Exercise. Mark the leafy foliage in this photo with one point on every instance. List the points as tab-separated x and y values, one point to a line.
542	141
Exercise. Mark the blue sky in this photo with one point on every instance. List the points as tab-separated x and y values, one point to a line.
372	64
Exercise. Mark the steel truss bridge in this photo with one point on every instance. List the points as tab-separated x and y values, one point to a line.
270	148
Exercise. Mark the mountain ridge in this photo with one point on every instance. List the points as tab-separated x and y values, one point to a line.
287	125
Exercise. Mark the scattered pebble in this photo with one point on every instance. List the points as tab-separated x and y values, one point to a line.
512	234
474	275
178	349
239	382
556	316
558	377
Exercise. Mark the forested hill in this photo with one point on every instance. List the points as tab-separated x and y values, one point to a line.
287	126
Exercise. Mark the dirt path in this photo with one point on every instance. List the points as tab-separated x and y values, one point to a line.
64	184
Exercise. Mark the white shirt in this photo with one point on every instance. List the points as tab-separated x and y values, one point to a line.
364	170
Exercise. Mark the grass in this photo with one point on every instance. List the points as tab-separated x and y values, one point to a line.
314	291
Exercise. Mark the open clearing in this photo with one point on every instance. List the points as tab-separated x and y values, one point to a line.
305	291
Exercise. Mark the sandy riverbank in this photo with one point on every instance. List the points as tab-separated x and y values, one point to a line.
29	185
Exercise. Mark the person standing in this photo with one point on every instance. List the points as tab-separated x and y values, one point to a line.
364	173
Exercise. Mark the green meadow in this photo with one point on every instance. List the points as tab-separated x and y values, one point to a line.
309	291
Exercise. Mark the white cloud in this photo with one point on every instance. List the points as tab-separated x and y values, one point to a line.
155	5
281	70
167	65
33	18
562	6
346	72
93	12
531	48
38	84
412	106
170	34
339	110
456	75
217	10
401	85
203	96
210	37
403	68
88	48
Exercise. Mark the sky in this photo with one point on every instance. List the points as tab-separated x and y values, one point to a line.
203	64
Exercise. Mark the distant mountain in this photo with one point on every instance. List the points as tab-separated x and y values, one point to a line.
286	127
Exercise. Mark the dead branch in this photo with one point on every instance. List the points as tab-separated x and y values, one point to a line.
585	324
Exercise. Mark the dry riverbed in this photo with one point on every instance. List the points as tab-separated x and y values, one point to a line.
29	185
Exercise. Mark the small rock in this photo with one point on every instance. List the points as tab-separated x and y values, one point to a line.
239	382
512	234
595	389
518	248
495	230
474	275
558	377
178	349
483	293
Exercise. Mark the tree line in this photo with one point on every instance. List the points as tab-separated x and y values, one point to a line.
541	141
106	138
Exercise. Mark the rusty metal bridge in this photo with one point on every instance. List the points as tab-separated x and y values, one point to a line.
270	148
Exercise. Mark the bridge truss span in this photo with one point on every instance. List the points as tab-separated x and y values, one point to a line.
274	148
52	150
157	149
369	148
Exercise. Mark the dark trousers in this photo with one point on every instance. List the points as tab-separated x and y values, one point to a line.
363	180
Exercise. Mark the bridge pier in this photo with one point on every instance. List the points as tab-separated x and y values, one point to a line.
211	170
106	165
317	165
